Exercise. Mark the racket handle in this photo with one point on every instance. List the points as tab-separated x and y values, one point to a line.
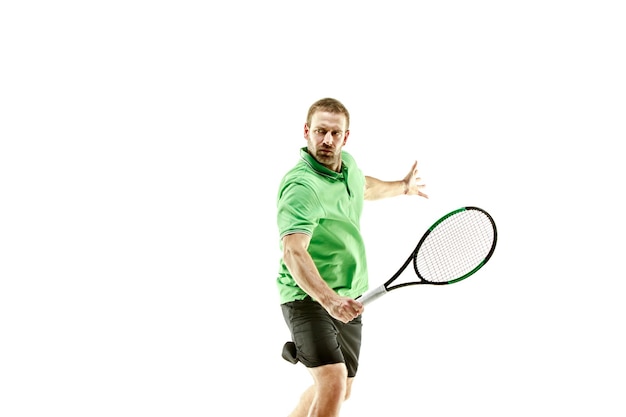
373	295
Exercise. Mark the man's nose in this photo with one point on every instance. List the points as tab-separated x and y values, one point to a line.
328	138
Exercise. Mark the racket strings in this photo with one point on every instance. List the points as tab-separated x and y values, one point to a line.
455	247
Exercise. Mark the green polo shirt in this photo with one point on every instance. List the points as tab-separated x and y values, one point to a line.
327	206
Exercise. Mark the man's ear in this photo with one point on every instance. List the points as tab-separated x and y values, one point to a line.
306	131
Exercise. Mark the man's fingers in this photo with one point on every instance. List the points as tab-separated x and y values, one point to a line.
351	310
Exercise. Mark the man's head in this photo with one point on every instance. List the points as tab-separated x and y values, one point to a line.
326	131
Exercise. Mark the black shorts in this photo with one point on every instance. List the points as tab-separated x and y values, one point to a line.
320	339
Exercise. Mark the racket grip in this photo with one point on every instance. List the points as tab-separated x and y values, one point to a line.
373	295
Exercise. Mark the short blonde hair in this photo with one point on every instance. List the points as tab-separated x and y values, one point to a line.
330	105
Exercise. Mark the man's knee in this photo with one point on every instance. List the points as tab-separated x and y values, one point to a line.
331	378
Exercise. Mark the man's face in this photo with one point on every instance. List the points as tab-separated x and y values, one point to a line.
325	138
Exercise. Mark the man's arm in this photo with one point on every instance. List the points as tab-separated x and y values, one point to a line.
376	189
305	273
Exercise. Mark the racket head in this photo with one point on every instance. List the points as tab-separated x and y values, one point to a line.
456	246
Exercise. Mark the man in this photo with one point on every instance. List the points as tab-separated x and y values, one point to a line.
323	268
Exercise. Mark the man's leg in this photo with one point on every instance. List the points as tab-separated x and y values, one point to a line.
329	349
324	398
303	407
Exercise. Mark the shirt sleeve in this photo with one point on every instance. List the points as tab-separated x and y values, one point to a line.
299	210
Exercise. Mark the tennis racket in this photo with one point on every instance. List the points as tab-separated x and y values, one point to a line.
455	247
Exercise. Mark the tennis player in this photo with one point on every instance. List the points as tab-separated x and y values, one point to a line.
323	267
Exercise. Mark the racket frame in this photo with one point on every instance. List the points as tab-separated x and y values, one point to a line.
386	287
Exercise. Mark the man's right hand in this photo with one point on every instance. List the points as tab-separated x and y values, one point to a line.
344	309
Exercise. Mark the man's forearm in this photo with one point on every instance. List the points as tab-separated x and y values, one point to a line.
376	189
306	275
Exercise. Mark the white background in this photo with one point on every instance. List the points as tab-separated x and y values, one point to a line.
141	148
